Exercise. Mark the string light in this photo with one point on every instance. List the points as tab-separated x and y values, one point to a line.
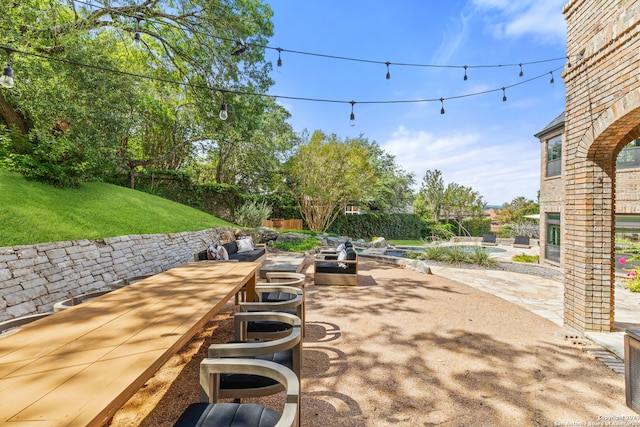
279	59
137	38
504	95
242	47
465	73
223	108
521	72
7	73
442	105
352	117
388	73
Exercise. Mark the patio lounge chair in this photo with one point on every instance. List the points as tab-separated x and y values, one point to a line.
212	414
522	242
489	240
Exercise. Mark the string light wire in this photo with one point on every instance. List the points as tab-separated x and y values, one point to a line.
296	98
336	57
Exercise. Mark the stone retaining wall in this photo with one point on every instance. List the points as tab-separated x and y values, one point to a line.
33	278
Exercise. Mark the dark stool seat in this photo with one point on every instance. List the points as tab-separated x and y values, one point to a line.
227	415
246	381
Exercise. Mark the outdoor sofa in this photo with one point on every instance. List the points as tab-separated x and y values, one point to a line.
331	269
257	254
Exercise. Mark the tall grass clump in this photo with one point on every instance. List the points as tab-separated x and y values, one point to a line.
457	255
482	257
436	253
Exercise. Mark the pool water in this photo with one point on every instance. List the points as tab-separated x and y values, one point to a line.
466	248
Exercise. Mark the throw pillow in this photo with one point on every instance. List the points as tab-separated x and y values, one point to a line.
341	257
224	255
244	245
212	253
340	248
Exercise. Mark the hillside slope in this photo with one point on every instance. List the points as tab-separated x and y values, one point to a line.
31	212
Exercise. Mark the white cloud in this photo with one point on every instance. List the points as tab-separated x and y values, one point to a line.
500	171
541	19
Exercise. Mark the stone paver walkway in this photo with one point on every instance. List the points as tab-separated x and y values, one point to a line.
544	296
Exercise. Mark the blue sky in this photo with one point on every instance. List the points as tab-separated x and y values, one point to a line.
480	141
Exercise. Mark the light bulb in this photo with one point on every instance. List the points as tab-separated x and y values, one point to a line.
7	77
223	112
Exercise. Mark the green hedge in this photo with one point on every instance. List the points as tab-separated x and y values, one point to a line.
368	226
477	226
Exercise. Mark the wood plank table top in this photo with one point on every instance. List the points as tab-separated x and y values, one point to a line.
79	366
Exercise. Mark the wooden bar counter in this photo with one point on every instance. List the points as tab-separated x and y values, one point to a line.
79	366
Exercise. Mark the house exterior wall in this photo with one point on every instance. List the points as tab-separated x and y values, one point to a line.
551	193
602	114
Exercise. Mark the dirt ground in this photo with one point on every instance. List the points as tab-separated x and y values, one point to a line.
410	349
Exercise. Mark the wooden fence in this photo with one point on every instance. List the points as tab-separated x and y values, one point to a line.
283	224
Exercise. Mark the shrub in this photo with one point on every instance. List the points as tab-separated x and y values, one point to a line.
304	246
526	258
251	214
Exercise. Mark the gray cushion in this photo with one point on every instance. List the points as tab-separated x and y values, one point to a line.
227	415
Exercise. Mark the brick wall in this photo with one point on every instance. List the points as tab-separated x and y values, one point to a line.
601	116
33	278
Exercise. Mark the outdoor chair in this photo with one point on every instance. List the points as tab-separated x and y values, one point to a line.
16	322
128	281
285	279
78	299
521	242
285	351
210	413
489	240
269	329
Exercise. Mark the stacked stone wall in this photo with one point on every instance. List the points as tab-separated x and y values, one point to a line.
34	277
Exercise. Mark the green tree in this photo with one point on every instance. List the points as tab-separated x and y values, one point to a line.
515	211
392	189
74	121
461	202
431	196
326	174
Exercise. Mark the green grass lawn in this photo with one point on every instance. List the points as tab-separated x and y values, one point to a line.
31	212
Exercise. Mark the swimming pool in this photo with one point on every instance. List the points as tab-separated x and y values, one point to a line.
400	251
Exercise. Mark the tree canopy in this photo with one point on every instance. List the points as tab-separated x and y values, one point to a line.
80	107
453	201
326	174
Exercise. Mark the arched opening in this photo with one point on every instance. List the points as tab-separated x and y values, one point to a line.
591	215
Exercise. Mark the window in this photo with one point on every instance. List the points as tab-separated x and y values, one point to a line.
554	156
351	210
552	252
627	230
629	157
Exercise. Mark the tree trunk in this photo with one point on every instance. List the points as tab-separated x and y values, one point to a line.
11	116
